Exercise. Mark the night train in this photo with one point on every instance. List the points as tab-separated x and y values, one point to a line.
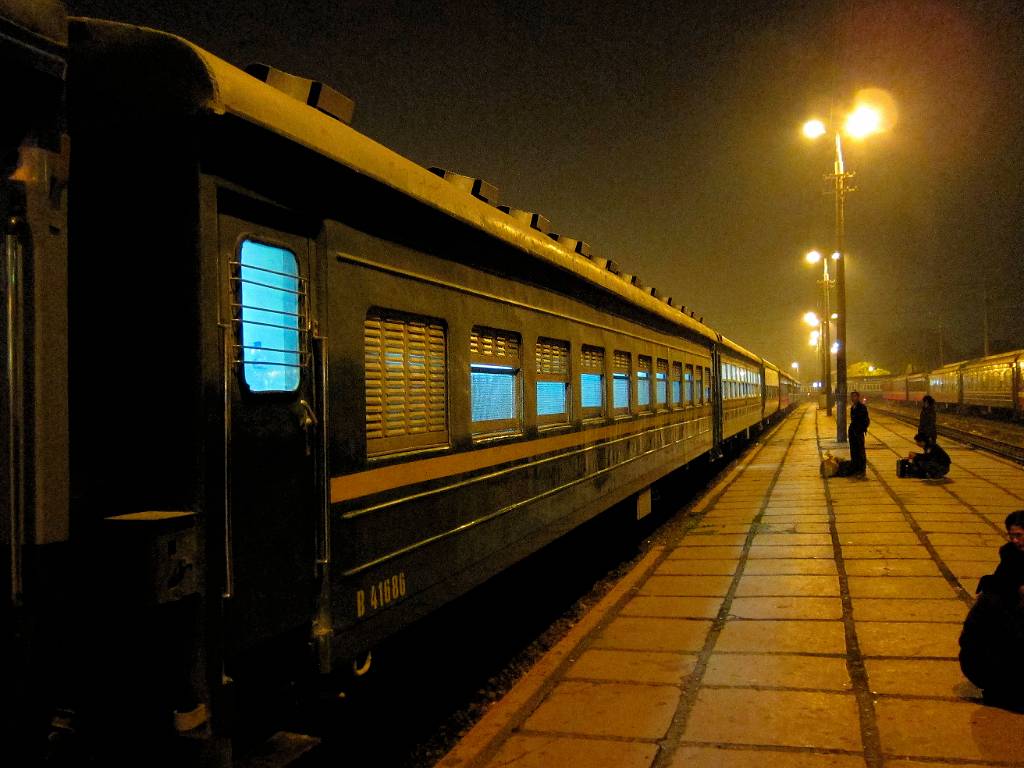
272	392
989	384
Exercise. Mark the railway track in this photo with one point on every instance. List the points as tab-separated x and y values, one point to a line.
967	436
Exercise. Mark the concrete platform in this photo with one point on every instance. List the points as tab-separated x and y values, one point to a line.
802	623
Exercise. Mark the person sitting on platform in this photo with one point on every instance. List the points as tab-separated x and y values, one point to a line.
931	463
993	633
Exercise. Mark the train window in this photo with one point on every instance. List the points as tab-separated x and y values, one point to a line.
695	397
688	382
592	381
270	304
707	385
661	383
643	382
405	360
621	369
552	381
494	381
677	384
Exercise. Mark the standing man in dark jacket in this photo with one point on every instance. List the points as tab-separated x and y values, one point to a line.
926	423
859	422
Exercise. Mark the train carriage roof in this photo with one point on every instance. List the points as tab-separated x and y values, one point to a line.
130	68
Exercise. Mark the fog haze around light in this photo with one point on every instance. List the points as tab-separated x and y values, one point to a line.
668	136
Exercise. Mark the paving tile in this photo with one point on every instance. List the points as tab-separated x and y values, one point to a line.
990	539
606	709
888	539
919	677
778	718
710	586
957	526
531	751
971	568
798	585
926	639
900	586
876	609
792	540
673	607
890	567
633	666
956	730
644	634
715	540
930	764
777	671
787	608
718	757
705	553
744	636
890	526
757	552
857	552
763	567
795	527
697	567
987	554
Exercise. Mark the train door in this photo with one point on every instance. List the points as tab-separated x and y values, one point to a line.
272	424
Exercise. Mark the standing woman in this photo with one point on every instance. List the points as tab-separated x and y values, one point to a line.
926	424
859	422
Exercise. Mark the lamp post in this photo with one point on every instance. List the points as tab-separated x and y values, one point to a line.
813	257
863	121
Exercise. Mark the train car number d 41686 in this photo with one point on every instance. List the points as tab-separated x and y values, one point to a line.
382	593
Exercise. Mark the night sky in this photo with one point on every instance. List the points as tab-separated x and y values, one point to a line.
667	135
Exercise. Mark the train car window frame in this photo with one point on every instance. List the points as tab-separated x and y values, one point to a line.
677	384
661	384
698	386
271	321
707	384
495	383
552	380
644	396
592	388
622	388
406	382
688	384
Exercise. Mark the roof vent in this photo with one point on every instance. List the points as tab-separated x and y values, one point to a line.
576	246
478	188
613	267
529	218
311	92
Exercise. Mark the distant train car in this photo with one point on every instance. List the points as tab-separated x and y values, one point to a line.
273	392
992	383
789	391
945	384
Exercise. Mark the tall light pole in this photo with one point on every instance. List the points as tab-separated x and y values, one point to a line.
813	257
862	122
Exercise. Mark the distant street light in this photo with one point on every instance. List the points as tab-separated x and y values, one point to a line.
813	257
875	113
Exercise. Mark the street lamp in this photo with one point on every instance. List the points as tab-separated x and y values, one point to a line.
864	120
813	257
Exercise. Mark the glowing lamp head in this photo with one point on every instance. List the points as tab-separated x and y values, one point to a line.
794	365
811	319
813	340
813	129
835	347
812	257
862	122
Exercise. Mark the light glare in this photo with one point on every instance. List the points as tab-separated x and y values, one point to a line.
812	257
811	319
814	128
863	121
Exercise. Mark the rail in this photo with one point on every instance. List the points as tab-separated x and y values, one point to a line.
984	442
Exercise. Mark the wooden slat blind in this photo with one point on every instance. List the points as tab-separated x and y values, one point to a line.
592	359
497	347
552	357
406	401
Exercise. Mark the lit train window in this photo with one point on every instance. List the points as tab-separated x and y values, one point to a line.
270	307
621	369
494	381
552	381
643	382
661	383
592	381
405	362
707	384
677	384
688	382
